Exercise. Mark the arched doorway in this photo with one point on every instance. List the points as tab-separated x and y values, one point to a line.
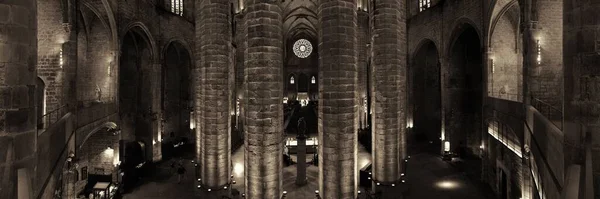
303	83
175	99
426	96
176	90
135	90
464	85
40	92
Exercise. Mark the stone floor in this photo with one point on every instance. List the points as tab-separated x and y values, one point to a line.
427	177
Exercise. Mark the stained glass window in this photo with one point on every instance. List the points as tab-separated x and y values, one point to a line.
424	4
177	7
302	48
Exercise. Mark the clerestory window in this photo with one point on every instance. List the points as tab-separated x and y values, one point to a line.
424	4
177	7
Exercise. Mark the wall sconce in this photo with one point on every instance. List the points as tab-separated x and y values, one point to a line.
237	107
493	66
109	69
313	80
447	146
482	146
539	53
292	80
60	58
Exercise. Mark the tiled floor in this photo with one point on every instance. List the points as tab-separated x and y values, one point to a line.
427	177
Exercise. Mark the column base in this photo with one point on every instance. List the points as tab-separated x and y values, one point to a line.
208	192
388	190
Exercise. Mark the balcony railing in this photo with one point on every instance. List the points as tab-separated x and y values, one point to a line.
51	117
553	114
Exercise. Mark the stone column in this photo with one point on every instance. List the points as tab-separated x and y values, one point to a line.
213	39
301	166
18	55
263	142
338	81
389	90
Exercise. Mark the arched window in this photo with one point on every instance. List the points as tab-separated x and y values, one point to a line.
177	7
424	4
292	80
313	80
40	101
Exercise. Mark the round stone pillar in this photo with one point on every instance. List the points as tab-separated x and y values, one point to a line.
18	57
338	99
263	92
389	90
213	93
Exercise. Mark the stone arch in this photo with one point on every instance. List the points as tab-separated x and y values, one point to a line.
423	42
95	57
176	89
109	125
179	41
141	29
463	83
459	26
138	86
500	13
505	57
425	92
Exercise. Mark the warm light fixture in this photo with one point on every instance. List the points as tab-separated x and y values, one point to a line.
447	146
109	69
60	58
493	66
539	53
313	80
292	80
238	169
482	146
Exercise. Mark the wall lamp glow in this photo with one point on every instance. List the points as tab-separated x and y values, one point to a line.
539	53
292	80
493	66
60	58
109	69
447	146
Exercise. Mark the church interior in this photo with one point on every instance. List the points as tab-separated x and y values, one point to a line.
300	99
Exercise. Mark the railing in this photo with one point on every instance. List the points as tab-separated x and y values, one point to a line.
553	114
51	117
507	96
534	144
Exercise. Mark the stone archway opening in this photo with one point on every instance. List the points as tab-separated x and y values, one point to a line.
40	92
135	90
505	71
464	86
176	97
426	96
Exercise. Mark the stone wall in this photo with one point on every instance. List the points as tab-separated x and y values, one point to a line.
51	37
18	58
582	85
